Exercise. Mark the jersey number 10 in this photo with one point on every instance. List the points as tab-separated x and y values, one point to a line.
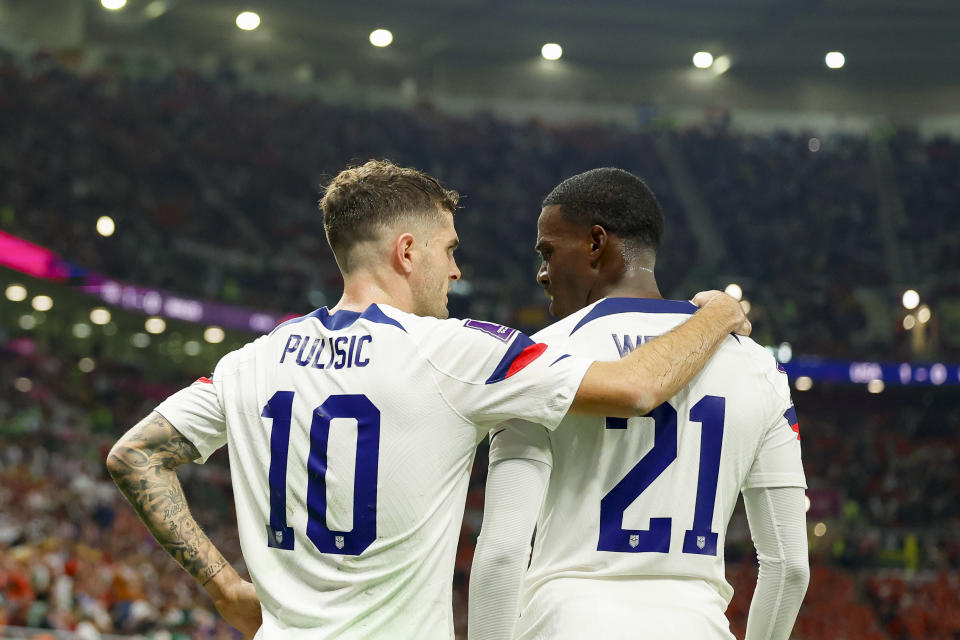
699	539
357	407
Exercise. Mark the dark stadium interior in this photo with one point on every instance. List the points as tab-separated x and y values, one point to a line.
824	195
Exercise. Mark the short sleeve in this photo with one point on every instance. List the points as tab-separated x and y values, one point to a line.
520	439
490	373
197	414
778	462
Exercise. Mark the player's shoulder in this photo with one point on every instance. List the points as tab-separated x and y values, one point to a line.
745	357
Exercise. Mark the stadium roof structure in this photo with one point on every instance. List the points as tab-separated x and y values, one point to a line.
900	56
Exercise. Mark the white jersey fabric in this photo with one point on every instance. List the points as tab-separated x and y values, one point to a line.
630	538
351	438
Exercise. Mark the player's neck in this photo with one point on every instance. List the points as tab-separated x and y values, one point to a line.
635	282
361	290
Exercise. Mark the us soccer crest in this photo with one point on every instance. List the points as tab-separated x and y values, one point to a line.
278	536
338	540
634	540
701	542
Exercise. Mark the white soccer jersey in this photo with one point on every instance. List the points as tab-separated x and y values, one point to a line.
351	438
635	516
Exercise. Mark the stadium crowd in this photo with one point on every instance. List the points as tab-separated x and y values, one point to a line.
213	189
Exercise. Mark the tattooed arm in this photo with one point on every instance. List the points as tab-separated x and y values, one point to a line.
143	464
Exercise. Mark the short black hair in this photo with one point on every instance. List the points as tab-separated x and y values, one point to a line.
615	199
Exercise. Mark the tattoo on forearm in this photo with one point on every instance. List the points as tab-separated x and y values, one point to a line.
143	465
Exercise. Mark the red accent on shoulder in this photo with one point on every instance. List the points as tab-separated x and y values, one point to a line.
525	357
207	380
796	427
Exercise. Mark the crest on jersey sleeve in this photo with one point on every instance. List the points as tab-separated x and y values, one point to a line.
498	331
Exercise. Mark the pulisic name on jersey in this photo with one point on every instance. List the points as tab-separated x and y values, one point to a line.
341	352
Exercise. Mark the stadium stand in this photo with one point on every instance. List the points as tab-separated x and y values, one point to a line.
213	189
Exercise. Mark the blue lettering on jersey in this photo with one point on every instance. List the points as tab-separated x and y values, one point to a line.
309	351
627	345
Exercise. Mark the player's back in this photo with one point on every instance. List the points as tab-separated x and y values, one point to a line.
633	525
351	439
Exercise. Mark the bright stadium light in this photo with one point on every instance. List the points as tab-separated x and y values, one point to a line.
86	365
113	5
16	293
214	335
703	59
27	322
155	325
191	347
81	330
42	303
923	314
734	291
875	386
835	60
909	322
910	299
784	352
100	316
106	226
820	529
248	21
721	65
803	383
23	385
156	9
140	340
551	51
381	37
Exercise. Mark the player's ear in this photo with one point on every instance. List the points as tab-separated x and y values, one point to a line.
598	242
403	248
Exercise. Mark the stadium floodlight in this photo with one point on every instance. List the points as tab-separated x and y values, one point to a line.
703	59
803	383
191	347
923	314
42	303
113	5
551	51
734	291
213	335
23	385
248	21
835	60
100	316
81	330
86	365
16	293
155	325
785	352
909	322
813	144
910	299
381	37
875	386
721	65
106	226
820	529
27	321
155	9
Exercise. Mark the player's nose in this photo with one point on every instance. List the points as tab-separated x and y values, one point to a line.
542	278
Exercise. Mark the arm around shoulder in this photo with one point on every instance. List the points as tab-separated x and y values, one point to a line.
659	369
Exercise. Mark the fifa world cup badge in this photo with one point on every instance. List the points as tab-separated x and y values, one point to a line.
338	540
634	540
701	542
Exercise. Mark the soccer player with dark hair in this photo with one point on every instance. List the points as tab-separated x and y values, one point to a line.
352	430
631	515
